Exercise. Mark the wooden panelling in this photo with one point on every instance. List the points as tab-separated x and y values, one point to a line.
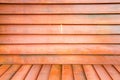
60	49
59	29
60	19
60	32
59	9
59	1
59	59
36	39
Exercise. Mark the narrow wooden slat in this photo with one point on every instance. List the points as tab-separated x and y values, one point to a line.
90	72
67	73
4	68
44	73
33	73
60	19
117	67
21	73
59	1
59	29
59	59
55	73
112	71
102	73
29	39
59	9
78	72
59	49
10	72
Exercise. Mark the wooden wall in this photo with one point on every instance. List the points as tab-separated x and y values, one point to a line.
59	31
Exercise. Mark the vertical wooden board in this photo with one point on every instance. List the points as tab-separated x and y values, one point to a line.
22	72
10	72
55	73
102	73
67	73
4	68
33	73
44	73
78	72
90	72
113	72
117	67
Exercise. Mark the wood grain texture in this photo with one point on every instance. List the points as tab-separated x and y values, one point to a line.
4	68
61	49
60	19
33	72
22	72
90	72
112	72
10	72
67	73
78	72
59	59
102	72
44	73
59	29
59	1
36	39
59	9
55	72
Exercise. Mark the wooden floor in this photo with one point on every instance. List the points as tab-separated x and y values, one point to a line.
60	72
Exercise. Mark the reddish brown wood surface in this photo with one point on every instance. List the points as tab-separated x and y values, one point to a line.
61	49
36	39
59	9
59	1
60	32
75	72
59	59
59	29
60	19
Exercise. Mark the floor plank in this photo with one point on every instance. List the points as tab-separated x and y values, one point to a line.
55	73
3	69
22	72
33	73
90	72
113	72
117	67
60	72
102	73
78	72
10	72
44	73
67	73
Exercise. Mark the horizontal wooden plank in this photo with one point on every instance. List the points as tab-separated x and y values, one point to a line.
59	1
58	59
36	39
59	9
60	19
60	49
59	29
